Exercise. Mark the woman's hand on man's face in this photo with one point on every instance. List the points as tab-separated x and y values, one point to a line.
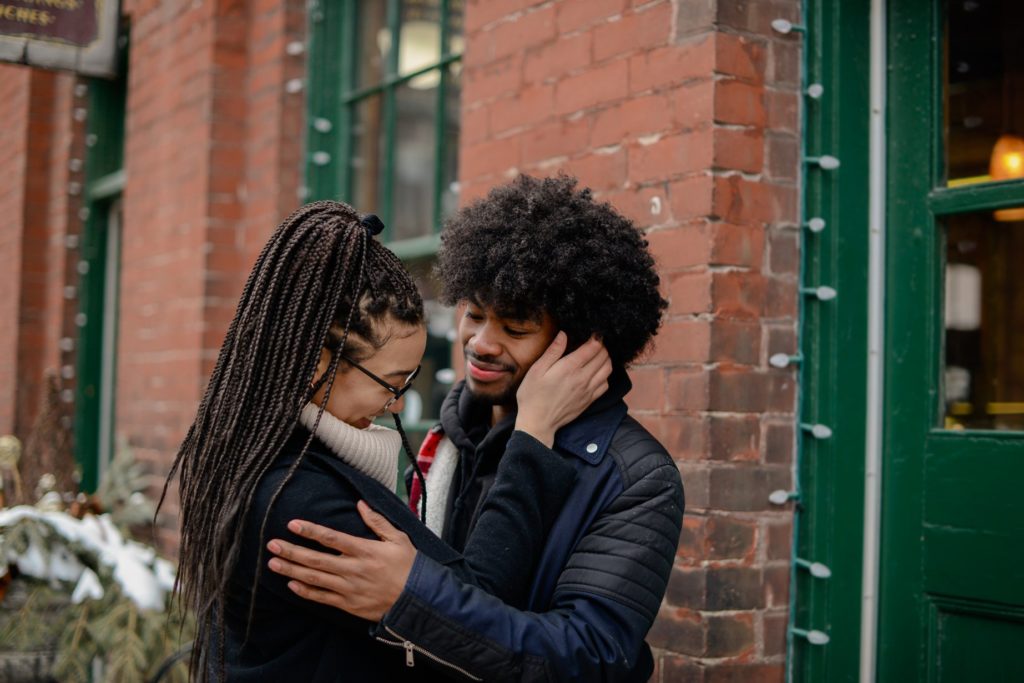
365	580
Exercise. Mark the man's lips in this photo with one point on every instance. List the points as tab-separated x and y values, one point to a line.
485	372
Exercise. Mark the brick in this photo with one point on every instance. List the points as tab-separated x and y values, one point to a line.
648	388
784	252
485	82
779	444
775	626
740	104
526	107
475	125
784	63
480	13
776	586
736	390
632	119
645	206
687	587
740	56
730	635
691	197
735	438
783	157
523	31
739	150
692	541
780	540
638	30
560	138
601	170
782	109
780	298
678	630
756	16
575	15
684	341
489	158
688	389
685	437
694	17
561	57
672	65
746	673
679	668
690	293
605	83
736	341
734	588
745	488
782	340
671	156
737	245
737	294
693	104
727	538
738	200
697	484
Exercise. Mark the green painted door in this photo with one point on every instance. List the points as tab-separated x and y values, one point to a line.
952	574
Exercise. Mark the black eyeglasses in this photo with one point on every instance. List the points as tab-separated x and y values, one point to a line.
396	392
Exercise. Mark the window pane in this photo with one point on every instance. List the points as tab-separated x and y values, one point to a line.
984	314
365	162
984	90
414	170
420	40
374	42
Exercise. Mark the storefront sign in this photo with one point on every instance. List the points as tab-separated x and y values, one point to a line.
77	35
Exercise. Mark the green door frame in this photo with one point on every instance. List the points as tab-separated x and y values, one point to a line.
104	176
834	343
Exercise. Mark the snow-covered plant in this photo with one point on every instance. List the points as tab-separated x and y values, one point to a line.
100	596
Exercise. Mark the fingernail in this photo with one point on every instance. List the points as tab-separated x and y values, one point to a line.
293	586
274	547
295	526
274	564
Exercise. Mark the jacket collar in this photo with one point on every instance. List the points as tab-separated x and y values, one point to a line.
587	437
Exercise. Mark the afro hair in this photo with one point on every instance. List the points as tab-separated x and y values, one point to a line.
542	245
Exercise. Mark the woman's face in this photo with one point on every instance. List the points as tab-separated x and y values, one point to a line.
355	398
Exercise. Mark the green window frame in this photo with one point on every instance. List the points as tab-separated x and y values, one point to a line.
342	35
334	94
95	387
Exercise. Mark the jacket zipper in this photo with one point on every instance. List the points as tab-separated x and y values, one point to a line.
411	648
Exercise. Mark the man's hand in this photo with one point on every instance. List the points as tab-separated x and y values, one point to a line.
365	580
557	388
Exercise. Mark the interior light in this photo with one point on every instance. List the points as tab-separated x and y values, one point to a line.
1007	163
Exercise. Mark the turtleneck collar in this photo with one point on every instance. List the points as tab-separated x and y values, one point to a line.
373	451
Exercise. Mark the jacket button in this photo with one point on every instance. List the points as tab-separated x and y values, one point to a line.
591	448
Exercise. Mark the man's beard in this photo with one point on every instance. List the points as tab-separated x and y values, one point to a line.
507	397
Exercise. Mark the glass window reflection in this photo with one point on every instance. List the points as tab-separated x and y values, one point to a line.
984	316
984	91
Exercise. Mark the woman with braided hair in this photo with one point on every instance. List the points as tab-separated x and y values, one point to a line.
327	337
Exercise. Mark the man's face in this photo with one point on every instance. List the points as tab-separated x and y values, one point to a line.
499	350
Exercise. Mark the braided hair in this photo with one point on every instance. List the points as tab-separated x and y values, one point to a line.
320	277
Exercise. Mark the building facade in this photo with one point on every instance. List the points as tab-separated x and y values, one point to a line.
830	192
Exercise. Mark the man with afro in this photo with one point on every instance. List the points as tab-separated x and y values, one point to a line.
536	268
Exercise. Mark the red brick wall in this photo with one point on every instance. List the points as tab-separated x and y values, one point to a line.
37	144
684	116
213	158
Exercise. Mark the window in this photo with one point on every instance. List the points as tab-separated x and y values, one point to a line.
384	83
